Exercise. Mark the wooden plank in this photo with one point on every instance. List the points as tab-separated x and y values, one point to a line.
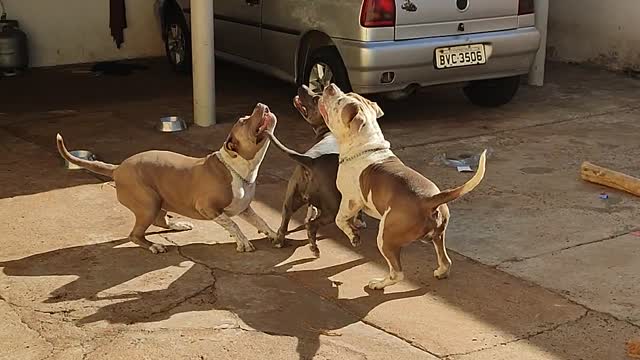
607	177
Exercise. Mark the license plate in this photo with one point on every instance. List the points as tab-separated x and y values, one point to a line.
456	56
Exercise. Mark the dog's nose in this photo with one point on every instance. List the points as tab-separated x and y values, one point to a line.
262	107
331	90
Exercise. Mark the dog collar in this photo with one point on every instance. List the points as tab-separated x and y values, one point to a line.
360	154
232	170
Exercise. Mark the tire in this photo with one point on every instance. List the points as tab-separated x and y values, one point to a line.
492	92
177	43
326	57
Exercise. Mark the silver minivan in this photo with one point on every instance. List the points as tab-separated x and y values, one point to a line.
370	46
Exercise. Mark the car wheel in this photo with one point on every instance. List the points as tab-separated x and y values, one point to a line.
178	44
492	92
325	67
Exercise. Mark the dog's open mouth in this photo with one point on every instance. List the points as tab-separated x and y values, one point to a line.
267	121
301	108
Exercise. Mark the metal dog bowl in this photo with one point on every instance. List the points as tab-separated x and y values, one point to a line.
171	124
82	154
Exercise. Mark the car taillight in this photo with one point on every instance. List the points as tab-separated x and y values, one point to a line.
378	13
525	7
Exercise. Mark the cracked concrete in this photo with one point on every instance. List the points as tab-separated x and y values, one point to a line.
593	336
18	339
616	293
524	338
543	268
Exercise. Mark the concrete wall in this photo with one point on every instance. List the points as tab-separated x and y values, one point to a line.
605	33
77	31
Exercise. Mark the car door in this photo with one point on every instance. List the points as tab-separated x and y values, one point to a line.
281	31
237	28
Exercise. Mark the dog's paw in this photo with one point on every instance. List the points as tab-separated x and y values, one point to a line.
181	225
271	235
377	284
157	248
355	242
245	247
278	243
441	273
314	249
279	240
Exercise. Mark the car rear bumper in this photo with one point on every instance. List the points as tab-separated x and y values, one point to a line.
509	53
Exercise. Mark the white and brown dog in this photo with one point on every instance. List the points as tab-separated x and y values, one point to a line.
409	206
216	187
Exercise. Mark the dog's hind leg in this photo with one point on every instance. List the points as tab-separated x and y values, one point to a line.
164	221
311	224
292	202
315	223
441	219
444	262
145	206
391	252
143	221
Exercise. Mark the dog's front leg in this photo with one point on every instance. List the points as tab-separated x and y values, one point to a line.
349	208
254	219
242	243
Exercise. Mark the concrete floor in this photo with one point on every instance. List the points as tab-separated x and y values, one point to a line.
543	268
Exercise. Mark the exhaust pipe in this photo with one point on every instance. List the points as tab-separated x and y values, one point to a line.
402	94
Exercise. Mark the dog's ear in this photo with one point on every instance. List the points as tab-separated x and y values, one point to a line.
372	104
379	112
231	145
349	112
352	117
358	123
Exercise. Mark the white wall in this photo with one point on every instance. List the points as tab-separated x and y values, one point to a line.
605	33
77	31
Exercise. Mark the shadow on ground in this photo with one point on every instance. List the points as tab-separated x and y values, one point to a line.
265	300
283	292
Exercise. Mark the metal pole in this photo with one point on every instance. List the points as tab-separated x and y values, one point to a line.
204	91
536	74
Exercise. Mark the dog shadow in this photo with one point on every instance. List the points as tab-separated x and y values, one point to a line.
260	288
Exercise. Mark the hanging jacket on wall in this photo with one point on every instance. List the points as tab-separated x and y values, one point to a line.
117	20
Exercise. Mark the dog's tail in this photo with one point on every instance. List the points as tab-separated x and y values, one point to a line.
97	167
301	159
451	194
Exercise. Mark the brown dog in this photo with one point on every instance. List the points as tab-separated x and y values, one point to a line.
216	187
371	178
313	182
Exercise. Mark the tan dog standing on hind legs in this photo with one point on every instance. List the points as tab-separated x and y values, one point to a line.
371	178
216	187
